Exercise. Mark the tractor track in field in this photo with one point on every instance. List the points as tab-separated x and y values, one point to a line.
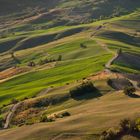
59	136
44	92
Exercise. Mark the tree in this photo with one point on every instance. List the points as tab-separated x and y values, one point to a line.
31	64
59	58
41	62
119	51
1	121
83	46
12	53
84	88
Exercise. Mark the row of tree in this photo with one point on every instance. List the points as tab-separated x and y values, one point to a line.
44	61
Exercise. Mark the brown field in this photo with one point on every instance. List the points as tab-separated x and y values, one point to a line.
12	72
90	116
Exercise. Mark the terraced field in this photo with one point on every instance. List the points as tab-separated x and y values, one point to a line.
47	51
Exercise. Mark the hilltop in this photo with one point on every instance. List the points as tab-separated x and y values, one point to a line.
34	14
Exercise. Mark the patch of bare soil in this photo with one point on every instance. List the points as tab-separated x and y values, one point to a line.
104	75
12	72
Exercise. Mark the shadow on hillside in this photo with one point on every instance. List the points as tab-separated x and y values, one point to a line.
34	41
122	37
137	135
119	84
134	96
87	96
134	134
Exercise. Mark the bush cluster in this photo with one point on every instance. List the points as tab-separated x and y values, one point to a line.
83	46
1	121
45	118
62	114
85	87
44	61
31	64
14	101
41	103
126	126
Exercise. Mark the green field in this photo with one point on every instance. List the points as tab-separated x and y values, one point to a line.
77	62
87	35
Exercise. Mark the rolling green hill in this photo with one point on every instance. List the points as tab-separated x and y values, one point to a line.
46	14
48	48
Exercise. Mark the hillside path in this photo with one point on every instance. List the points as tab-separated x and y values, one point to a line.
10	115
109	63
44	92
104	46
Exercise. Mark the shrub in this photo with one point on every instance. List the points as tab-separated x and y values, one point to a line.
129	90
108	135
59	58
58	116
41	103
14	101
109	81
1	121
31	64
34	96
25	98
125	125
128	126
29	122
83	46
82	89
45	118
137	122
61	114
41	62
3	105
138	84
65	114
44	61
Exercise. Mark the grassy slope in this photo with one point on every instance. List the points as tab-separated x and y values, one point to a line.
66	71
83	11
74	60
122	34
88	116
114	25
77	63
